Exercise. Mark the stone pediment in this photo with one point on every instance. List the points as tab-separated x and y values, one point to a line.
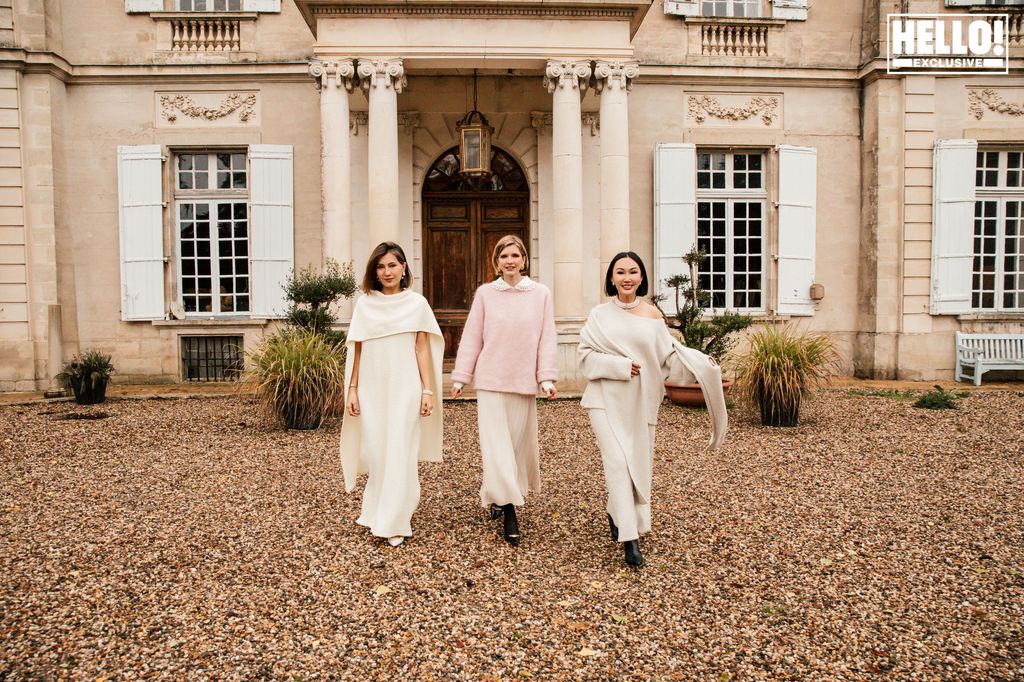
463	32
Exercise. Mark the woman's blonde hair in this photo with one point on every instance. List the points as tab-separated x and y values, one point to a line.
503	243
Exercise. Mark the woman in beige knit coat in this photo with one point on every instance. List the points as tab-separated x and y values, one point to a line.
626	353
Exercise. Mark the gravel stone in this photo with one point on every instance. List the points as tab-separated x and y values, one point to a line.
185	539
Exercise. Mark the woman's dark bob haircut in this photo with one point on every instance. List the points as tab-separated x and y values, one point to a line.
609	288
370	281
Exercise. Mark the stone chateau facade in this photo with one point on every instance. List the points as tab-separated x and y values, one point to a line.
165	163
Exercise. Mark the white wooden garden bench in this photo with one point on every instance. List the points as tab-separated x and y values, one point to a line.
988	351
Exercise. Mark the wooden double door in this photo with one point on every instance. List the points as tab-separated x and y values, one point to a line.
460	230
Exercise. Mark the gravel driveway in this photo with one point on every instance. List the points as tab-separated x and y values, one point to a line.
182	539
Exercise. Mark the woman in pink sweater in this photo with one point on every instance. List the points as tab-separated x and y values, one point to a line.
507	351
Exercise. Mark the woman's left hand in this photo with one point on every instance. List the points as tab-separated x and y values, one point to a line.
552	393
426	405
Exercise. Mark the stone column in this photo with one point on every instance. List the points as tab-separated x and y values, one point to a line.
614	80
566	80
335	80
383	79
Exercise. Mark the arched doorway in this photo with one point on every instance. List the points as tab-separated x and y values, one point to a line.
463	218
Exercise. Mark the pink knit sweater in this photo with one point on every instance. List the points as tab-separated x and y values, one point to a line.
508	344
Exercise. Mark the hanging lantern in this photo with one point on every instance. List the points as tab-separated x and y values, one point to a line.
474	141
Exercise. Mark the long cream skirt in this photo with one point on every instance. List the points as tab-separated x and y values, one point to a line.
508	445
628	509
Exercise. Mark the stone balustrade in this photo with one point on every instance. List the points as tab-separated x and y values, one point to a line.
734	39
205	34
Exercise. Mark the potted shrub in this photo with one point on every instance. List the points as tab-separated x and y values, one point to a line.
87	376
710	334
780	367
300	378
299	373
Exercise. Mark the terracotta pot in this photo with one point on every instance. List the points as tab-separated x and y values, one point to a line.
689	395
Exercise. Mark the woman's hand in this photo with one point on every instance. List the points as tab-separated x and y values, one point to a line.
456	391
551	393
352	404
426	405
634	369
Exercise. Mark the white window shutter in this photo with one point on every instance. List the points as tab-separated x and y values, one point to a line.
794	10
271	226
797	212
683	8
675	214
143	5
261	5
954	165
141	227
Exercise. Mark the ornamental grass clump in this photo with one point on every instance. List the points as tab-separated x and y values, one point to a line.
780	367
87	376
299	377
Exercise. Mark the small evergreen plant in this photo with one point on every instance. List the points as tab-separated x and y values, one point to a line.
312	293
710	334
940	399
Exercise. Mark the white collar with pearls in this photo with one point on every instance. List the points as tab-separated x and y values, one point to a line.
524	284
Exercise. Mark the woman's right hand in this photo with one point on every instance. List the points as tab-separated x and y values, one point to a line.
634	369
352	404
456	391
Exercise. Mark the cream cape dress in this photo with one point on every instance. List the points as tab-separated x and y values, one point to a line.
389	436
610	342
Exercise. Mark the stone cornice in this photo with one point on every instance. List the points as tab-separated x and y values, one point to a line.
632	11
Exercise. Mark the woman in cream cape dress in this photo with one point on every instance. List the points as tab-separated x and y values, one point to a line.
390	436
624	409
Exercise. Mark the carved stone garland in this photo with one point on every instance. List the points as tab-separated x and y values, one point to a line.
702	107
980	100
174	104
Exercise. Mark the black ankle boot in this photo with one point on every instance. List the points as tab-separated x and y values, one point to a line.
511	525
633	555
615	529
495	511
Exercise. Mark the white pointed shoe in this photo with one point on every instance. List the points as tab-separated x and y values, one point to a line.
396	540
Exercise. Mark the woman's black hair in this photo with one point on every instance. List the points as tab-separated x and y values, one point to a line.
609	288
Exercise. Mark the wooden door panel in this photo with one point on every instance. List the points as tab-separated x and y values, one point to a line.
460	231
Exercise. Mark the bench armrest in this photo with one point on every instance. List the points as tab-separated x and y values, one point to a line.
967	350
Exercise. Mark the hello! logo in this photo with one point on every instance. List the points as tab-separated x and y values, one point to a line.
947	43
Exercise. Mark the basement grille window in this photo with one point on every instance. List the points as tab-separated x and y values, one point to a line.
211	358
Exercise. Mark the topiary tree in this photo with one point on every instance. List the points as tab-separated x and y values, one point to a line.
711	335
311	294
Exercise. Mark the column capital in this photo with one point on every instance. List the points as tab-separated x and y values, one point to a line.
333	72
382	73
615	74
410	120
562	73
541	120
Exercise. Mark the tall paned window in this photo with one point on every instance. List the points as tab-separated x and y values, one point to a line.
209	5
997	281
731	228
212	225
730	8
